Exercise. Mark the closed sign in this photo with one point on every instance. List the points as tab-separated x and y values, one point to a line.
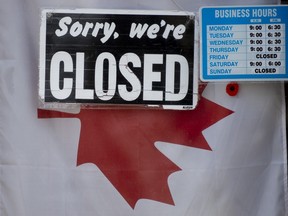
103	57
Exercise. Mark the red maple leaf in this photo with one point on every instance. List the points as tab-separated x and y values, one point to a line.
121	143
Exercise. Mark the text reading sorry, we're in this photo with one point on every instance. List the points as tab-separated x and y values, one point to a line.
106	30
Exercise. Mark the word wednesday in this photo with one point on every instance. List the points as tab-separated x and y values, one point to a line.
116	58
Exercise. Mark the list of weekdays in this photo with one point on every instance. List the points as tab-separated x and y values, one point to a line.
244	43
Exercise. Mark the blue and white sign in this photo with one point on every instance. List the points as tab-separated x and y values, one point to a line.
244	43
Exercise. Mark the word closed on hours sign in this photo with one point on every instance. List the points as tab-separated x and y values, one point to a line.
117	58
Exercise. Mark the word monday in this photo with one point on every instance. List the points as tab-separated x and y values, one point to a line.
97	58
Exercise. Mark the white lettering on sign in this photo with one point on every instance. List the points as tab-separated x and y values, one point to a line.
242	13
266	12
80	91
150	77
232	13
99	73
171	61
139	30
106	29
56	90
130	77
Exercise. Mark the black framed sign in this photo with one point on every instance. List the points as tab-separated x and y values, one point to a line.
114	57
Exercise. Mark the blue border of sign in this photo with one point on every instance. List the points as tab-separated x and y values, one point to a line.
207	17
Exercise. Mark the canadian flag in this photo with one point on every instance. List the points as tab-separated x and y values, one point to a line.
226	157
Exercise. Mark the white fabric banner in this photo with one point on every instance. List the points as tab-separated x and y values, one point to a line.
239	169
